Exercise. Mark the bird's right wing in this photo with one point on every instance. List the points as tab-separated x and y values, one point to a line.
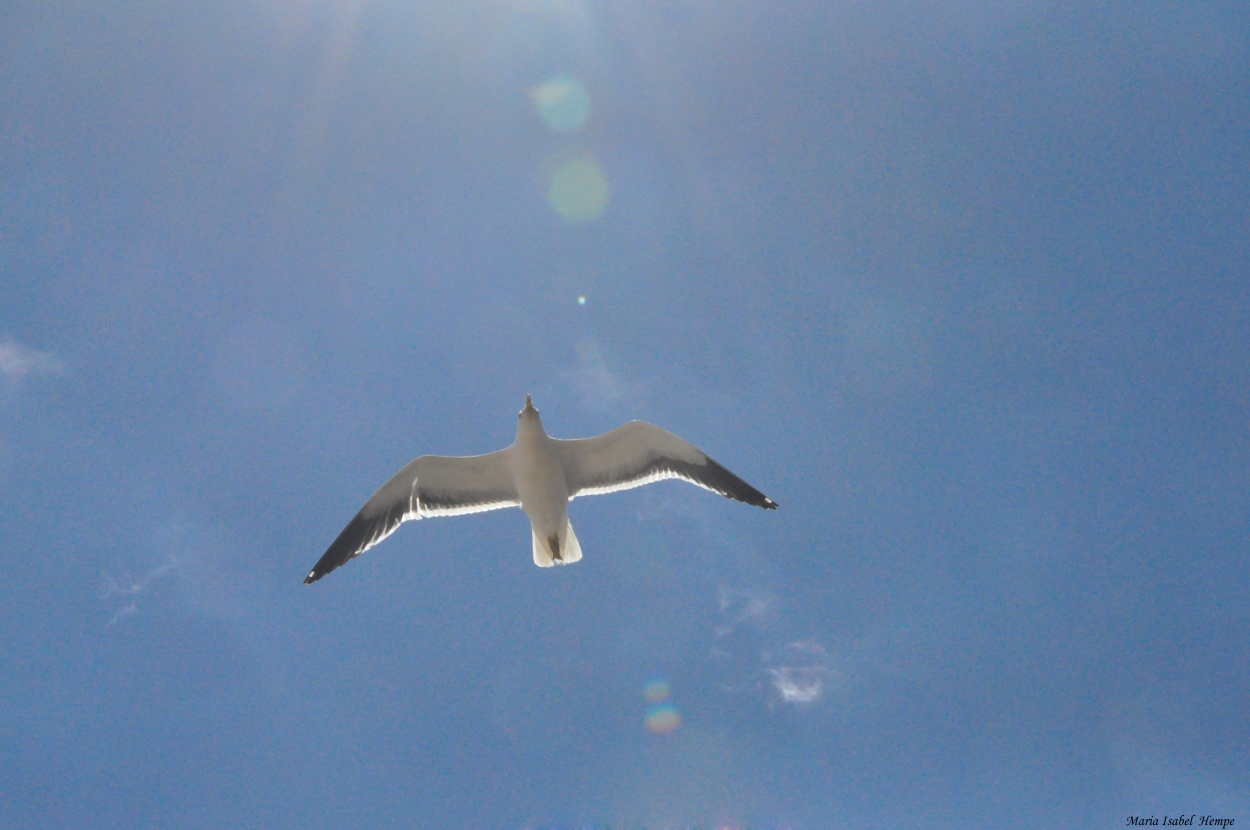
640	453
432	485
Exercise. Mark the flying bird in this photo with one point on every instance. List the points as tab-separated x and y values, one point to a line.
538	474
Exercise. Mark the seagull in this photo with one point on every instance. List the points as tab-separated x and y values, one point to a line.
538	474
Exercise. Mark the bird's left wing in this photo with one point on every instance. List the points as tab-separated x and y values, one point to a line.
640	453
432	485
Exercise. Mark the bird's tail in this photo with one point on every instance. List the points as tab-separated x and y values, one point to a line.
559	549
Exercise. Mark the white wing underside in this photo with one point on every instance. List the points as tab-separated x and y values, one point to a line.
639	481
436	485
640	453
432	485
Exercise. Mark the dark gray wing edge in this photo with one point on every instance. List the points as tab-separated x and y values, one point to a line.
360	534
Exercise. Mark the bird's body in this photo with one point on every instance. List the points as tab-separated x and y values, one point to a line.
543	493
539	474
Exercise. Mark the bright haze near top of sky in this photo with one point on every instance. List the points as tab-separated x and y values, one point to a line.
963	286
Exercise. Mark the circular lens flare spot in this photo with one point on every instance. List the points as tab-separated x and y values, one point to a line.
662	718
563	103
578	190
656	690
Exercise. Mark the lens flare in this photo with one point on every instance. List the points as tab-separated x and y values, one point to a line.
662	718
578	190
656	691
563	103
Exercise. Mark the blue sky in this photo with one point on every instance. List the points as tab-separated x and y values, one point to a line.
963	286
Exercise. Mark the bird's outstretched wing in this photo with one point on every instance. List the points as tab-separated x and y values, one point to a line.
432	485
640	453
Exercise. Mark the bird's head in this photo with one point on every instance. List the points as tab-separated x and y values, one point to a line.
527	419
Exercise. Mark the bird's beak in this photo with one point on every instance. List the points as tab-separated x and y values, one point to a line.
529	406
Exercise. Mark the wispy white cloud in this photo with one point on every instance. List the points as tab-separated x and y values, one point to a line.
798	672
740	608
128	589
743	606
124	611
115	586
751	655
17	362
189	577
598	386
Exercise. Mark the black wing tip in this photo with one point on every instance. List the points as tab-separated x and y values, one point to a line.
319	570
732	486
334	558
756	499
346	547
